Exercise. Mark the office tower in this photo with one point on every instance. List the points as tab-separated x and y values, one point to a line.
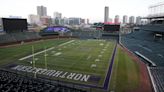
138	20
117	19
34	19
106	14
57	15
82	21
87	21
125	19
57	18
131	19
74	21
41	11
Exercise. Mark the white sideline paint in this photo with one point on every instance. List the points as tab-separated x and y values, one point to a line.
44	51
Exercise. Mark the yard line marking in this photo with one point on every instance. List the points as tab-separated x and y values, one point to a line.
88	57
44	50
57	54
93	65
35	54
96	60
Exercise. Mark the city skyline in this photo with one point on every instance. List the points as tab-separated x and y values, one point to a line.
81	8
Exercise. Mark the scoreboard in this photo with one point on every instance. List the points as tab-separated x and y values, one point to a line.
111	27
12	24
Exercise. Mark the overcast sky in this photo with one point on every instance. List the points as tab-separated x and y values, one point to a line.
92	9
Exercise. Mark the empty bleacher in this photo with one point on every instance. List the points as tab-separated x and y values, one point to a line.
144	43
6	38
158	76
19	36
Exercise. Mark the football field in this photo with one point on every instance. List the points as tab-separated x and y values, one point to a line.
97	64
79	61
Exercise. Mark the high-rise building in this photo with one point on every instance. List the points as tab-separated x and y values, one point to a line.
57	18
66	21
106	14
46	20
125	19
138	20
74	21
131	19
82	21
117	19
41	11
87	21
34	19
57	15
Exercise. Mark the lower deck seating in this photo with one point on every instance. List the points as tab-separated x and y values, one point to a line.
12	82
158	76
144	43
19	36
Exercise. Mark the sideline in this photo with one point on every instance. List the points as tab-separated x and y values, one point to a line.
110	68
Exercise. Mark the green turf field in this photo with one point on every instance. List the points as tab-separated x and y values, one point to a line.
73	57
87	57
13	53
125	76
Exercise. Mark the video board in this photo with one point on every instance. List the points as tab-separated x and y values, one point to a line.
12	24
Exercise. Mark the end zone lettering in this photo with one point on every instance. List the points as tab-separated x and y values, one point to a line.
53	73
